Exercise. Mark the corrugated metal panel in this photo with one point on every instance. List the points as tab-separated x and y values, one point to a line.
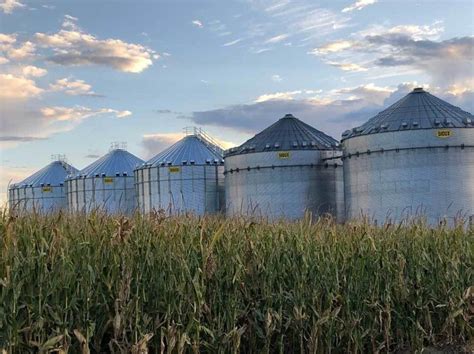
288	133
116	161
417	110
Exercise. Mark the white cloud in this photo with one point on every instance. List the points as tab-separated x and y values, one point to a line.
17	88
33	71
74	47
333	47
10	175
25	50
277	78
197	23
7	38
7	6
348	66
232	42
359	5
277	96
369	92
3	60
72	87
78	113
155	143
276	39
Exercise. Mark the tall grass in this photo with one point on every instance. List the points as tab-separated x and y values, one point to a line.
95	283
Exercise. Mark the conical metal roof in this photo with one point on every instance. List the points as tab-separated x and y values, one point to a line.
117	161
53	174
288	133
417	110
192	149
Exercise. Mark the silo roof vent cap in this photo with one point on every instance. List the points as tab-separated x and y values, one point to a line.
418	89
289	115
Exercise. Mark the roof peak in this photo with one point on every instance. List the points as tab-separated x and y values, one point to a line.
418	90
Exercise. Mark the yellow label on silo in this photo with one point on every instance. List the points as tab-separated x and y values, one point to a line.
284	155
108	180
174	169
47	189
443	133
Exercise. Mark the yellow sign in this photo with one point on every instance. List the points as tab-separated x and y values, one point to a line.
443	133
284	155
47	189
174	169
108	180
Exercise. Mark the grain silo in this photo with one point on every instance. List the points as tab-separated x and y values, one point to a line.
44	191
186	177
285	170
107	184
414	158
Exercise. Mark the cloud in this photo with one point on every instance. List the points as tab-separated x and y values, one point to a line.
17	88
78	113
277	39
233	42
33	71
7	6
277	96
72	87
22	51
276	78
359	5
408	47
333	47
332	111
23	139
348	66
21	123
73	47
155	143
253	117
197	23
369	93
9	175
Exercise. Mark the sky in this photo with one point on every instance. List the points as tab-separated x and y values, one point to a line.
76	76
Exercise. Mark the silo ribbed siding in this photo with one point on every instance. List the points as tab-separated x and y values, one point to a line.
107	184
416	158
44	191
286	170
185	178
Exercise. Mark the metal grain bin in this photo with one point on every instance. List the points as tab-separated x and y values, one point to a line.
284	171
414	158
106	184
44	191
186	177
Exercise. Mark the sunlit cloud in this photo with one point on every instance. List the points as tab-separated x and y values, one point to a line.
7	6
75	48
17	88
197	23
72	87
231	43
359	5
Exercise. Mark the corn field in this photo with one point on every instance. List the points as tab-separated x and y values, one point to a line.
95	283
